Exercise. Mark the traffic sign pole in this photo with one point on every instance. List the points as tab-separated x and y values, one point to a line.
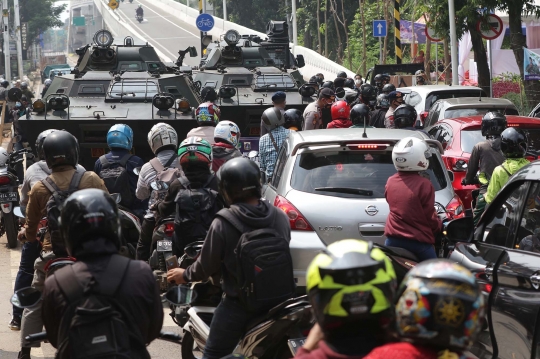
397	32
453	42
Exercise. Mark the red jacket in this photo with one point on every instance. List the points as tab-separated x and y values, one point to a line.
406	351
322	352
411	199
339	124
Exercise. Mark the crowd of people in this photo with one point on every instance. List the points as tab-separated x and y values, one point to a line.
215	193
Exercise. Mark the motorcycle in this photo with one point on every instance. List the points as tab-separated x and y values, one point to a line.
162	249
139	18
9	197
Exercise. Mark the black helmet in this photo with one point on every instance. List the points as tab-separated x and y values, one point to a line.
39	143
61	148
328	84
493	124
88	215
383	101
388	88
24	85
513	143
404	116
293	118
208	94
377	79
239	179
385	78
5	83
342	74
349	83
368	92
359	114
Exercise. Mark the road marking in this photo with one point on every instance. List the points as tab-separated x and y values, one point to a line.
178	26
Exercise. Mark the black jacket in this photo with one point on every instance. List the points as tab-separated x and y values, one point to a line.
377	118
138	294
485	156
217	253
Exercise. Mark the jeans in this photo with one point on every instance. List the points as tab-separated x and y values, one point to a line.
29	254
423	251
144	246
479	208
227	327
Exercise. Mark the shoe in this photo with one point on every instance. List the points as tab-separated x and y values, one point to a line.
15	323
24	356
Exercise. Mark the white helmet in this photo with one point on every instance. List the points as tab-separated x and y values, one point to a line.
411	154
4	156
162	135
227	131
48	82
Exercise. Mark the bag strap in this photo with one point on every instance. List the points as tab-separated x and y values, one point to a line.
112	278
123	161
76	180
273	141
154	162
170	161
104	161
226	214
51	186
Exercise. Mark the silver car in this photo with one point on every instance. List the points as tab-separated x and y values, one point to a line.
331	185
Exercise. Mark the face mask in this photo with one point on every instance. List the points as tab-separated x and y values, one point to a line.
357	82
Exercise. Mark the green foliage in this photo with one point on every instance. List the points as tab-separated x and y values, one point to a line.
40	16
519	101
508	77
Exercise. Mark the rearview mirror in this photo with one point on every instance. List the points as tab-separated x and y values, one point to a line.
26	297
17	211
178	295
460	230
300	62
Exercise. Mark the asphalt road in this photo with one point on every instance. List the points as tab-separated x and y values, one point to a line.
162	30
10	340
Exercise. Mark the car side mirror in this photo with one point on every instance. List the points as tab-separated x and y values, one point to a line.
300	62
26	297
451	175
460	230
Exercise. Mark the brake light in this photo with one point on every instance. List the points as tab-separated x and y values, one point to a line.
455	208
296	219
456	164
423	115
512	124
4	180
368	146
169	229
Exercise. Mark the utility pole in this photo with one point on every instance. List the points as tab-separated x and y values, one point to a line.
294	27
453	42
5	24
225	10
18	38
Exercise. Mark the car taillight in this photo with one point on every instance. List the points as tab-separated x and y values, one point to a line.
169	229
368	146
4	180
296	219
455	208
423	115
456	164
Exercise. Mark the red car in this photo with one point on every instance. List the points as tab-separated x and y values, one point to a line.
458	137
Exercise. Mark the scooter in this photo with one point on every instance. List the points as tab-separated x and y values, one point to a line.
139	18
162	249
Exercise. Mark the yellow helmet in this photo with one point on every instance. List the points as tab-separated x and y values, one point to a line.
351	281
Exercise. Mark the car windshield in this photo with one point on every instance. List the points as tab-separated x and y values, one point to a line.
457	93
466	112
469	138
352	174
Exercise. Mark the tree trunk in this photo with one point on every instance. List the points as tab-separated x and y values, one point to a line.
480	56
517	43
308	40
346	29
447	68
340	43
326	29
385	45
362	14
319	26
427	59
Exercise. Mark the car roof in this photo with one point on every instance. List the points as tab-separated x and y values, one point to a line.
431	88
496	102
473	121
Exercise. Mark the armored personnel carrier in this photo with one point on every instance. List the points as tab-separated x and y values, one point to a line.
246	71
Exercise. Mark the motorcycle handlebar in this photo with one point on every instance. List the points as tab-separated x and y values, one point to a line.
37	337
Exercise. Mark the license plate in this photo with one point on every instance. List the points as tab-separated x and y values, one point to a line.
164	246
295	344
8	197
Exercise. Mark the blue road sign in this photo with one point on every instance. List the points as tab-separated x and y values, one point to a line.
379	28
204	22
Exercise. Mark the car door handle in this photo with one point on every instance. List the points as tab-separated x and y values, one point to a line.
535	280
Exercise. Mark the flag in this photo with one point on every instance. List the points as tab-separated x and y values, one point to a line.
531	63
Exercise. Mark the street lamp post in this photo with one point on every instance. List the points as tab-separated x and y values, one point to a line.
453	42
294	27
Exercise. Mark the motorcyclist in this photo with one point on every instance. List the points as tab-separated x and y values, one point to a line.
139	11
3	90
46	84
424	332
405	117
378	82
368	95
412	222
513	147
120	142
353	307
227	137
26	91
313	112
240	186
378	115
396	99
279	100
421	78
294	120
341	74
91	229
388	88
207	116
328	84
359	116
270	143
485	156
61	151
163	141
340	115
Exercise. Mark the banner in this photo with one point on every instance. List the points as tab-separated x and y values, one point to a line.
407	32
531	62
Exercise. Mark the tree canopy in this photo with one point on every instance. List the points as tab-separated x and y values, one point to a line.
40	16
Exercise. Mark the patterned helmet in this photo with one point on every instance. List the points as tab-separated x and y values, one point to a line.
162	135
440	305
207	114
227	131
195	150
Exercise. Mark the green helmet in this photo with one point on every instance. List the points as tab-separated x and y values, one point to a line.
351	282
195	150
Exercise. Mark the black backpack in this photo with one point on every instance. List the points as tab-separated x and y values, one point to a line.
54	206
264	265
94	324
116	178
195	211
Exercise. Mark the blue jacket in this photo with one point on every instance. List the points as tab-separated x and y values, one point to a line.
134	162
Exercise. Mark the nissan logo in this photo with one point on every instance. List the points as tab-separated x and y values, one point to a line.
372	210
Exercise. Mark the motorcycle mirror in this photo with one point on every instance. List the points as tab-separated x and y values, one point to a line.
460	230
117	197
18	212
26	297
253	154
137	171
178	295
192	250
154	186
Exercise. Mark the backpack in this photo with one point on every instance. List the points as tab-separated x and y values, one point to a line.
116	178
54	206
94	324
264	265
164	173
195	211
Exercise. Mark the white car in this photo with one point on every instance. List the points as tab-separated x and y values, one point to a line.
423	97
